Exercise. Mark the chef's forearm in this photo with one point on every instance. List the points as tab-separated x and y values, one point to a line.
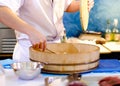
74	6
10	19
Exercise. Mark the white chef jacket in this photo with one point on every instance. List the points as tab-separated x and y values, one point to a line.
44	15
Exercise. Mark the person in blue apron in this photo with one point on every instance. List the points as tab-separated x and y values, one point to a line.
36	22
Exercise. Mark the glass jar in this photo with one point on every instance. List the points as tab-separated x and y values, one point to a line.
115	31
108	32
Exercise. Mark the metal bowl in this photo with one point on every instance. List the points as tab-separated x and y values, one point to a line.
27	70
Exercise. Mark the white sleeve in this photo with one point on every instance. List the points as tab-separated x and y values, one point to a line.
14	5
67	3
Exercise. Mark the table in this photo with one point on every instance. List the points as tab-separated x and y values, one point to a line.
112	46
105	68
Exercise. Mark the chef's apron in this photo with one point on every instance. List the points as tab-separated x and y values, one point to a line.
46	18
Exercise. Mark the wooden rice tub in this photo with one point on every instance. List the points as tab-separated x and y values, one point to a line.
68	57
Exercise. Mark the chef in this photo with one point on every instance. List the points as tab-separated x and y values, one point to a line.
36	22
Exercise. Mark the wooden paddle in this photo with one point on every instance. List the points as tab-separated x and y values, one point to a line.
84	14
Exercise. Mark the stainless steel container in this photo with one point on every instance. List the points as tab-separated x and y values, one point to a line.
27	70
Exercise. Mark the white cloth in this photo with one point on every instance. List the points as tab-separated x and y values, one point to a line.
44	15
91	79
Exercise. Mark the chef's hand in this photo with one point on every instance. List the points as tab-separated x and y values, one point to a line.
90	4
38	41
